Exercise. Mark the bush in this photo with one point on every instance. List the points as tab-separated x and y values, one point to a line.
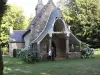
32	57
86	51
21	53
29	55
97	49
5	50
18	52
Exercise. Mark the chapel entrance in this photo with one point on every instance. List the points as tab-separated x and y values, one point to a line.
59	45
58	39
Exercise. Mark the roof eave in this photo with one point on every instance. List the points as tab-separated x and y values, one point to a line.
26	33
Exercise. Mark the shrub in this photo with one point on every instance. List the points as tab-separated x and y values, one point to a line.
98	49
29	55
5	50
87	52
18	52
32	57
21	53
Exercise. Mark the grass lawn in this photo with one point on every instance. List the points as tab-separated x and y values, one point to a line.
14	66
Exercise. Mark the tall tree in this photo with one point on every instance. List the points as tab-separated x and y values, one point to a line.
84	17
2	10
13	17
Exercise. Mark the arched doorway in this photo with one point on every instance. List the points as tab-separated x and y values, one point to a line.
59	38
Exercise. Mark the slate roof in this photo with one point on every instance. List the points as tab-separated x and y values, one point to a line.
41	19
16	36
41	13
55	13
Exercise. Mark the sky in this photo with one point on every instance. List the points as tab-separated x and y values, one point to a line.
28	5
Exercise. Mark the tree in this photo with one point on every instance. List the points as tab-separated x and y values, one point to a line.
2	10
84	18
13	17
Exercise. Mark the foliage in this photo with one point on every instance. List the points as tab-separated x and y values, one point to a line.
5	50
87	52
32	57
97	52
84	18
18	52
97	49
22	54
2	11
84	45
13	17
28	54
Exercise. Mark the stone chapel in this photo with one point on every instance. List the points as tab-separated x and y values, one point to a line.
47	29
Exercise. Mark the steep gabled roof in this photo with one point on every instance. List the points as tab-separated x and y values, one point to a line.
55	13
41	19
16	36
36	19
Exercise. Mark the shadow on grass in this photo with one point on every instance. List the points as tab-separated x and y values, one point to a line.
16	71
15	66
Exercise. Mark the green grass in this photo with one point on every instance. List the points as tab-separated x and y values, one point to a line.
14	66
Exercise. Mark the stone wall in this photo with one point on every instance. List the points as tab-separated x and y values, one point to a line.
44	48
74	54
27	39
13	46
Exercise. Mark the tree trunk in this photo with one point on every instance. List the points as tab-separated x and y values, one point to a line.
2	11
1	63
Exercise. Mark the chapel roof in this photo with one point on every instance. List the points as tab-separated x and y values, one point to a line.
41	13
16	36
41	19
55	13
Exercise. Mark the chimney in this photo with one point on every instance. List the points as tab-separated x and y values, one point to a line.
11	30
39	6
40	2
69	27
